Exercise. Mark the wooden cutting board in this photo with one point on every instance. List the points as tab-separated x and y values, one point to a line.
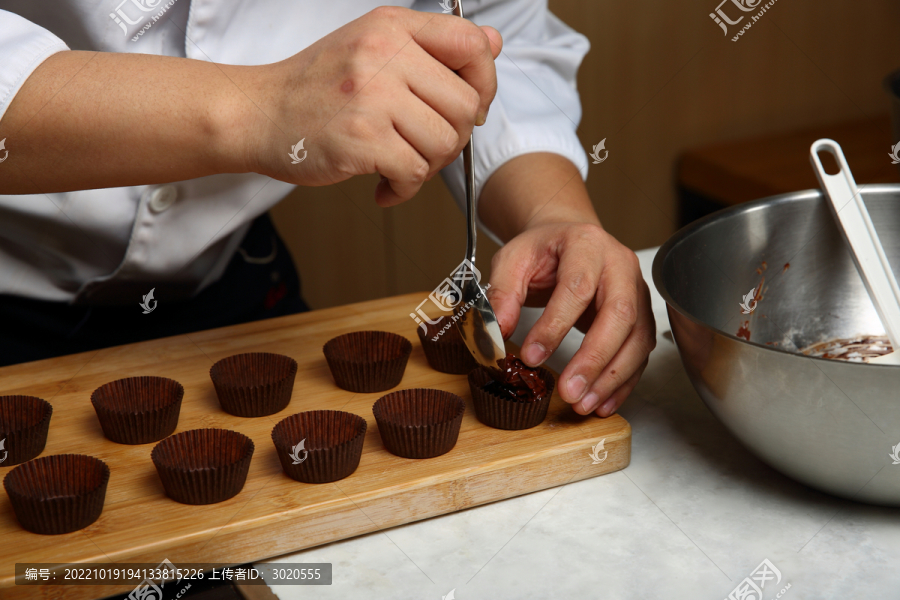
275	515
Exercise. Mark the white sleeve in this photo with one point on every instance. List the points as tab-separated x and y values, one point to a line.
537	107
23	46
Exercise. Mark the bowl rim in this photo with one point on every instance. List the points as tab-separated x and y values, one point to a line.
725	213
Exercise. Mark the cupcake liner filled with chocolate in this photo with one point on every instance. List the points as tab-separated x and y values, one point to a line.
138	410
203	466
254	384
520	401
444	348
319	446
24	423
367	361
419	423
59	493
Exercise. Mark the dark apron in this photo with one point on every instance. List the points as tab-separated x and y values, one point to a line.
260	282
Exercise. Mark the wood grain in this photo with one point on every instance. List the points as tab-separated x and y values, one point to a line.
736	172
273	514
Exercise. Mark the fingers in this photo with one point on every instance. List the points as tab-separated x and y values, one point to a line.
450	99
463	47
577	278
613	403
494	38
432	137
510	275
403	171
608	381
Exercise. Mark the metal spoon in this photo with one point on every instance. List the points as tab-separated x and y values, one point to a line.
478	324
852	218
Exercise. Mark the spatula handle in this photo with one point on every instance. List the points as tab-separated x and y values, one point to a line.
856	226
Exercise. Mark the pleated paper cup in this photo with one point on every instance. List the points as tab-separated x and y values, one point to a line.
501	412
58	494
319	446
367	361
254	384
203	466
419	423
138	410
447	354
24	423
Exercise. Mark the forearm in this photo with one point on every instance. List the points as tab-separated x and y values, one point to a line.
86	120
532	189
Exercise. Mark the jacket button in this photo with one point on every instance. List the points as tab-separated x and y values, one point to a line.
162	198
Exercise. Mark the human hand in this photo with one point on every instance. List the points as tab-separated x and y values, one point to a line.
396	92
586	279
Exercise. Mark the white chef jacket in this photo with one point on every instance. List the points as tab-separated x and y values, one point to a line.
110	245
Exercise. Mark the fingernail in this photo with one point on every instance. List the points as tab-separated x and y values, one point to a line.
608	408
534	354
480	119
576	385
589	402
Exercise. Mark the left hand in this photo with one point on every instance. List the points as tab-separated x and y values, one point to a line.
586	279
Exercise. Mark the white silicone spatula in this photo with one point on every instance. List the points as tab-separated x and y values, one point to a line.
853	220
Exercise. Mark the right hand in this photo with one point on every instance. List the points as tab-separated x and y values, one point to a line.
396	92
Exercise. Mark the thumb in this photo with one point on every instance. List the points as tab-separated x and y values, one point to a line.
495	38
509	288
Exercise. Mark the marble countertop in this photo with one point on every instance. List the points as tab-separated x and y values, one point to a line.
691	517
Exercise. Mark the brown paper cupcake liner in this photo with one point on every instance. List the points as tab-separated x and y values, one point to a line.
254	384
502	413
319	446
138	410
59	493
449	353
24	423
203	466
367	361
419	423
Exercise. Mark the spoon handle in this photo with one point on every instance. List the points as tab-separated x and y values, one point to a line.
469	166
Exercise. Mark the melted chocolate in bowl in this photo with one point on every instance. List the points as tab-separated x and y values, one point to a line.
858	349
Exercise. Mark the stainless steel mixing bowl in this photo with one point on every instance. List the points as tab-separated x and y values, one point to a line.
832	425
